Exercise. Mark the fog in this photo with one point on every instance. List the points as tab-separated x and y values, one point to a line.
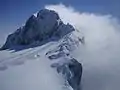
100	55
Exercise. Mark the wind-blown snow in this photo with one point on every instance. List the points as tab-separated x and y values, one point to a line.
34	74
46	27
100	55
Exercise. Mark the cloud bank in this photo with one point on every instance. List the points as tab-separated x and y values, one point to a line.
100	55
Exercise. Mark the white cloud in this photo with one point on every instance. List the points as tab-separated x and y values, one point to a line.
100	56
101	53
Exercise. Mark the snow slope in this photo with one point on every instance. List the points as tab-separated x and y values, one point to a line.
30	69
42	50
34	73
100	57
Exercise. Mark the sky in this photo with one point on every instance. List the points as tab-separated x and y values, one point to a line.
14	13
98	21
100	55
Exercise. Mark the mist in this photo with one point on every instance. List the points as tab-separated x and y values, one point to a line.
32	74
100	56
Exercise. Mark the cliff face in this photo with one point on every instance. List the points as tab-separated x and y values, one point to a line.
46	25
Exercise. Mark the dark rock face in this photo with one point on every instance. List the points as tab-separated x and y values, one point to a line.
71	71
40	28
47	25
76	69
65	64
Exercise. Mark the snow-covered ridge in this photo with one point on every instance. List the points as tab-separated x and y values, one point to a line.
46	26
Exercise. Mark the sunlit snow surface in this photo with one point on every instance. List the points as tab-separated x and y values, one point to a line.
26	71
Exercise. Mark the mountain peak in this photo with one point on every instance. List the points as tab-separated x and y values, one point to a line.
46	24
42	28
47	13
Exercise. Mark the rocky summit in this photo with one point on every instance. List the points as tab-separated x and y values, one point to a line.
45	25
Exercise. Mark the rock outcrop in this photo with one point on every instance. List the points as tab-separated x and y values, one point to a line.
64	63
46	25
